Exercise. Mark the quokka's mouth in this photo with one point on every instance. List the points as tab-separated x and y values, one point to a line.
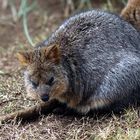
45	98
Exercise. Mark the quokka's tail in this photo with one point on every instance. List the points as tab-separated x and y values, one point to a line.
131	13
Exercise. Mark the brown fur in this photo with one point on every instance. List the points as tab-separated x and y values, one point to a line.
131	13
52	54
33	61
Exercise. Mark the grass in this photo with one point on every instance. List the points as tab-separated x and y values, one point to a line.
22	13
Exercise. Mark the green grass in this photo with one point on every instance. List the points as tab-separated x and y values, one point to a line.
22	13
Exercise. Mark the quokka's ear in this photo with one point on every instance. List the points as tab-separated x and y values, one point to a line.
52	53
24	58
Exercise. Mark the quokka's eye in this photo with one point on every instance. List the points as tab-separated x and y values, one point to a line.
35	84
50	81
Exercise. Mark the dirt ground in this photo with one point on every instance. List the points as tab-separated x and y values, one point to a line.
51	127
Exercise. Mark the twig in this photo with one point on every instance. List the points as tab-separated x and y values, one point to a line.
8	101
30	113
11	100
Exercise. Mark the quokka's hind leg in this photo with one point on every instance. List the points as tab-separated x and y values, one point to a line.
131	13
121	85
31	112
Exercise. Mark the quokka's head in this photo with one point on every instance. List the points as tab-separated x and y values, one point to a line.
45	77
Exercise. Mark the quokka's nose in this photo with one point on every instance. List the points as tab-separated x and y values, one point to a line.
45	98
43	91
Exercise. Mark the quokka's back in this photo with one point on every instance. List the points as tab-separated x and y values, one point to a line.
98	65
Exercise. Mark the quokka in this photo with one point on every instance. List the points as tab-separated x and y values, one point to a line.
91	62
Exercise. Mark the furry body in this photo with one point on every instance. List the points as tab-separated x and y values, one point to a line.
100	58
